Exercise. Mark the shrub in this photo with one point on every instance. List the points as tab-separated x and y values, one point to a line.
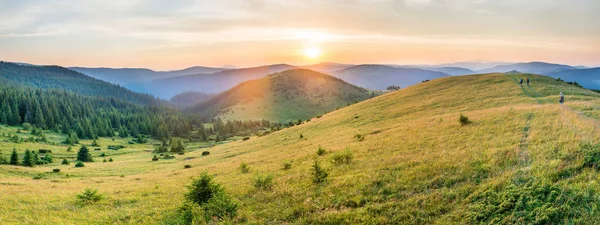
103	154
110	160
246	138
79	164
205	153
104	160
44	151
301	136
359	137
69	149
115	147
244	167
38	176
321	151
65	162
97	149
219	206
319	173
287	165
56	170
202	189
187	166
167	156
463	120
155	158
263	182
84	154
89	196
211	197
344	157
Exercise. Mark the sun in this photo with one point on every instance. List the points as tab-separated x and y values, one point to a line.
312	52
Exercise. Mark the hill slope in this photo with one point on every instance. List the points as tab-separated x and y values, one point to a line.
530	67
135	78
523	159
588	78
55	77
212	83
285	96
379	77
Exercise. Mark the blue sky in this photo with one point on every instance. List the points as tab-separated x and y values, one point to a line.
180	33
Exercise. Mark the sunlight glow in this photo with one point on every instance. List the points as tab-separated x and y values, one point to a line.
312	52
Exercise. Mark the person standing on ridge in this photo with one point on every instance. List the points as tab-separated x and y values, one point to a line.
528	81
561	98
521	81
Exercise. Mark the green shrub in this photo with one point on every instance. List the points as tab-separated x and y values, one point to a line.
38	176
103	154
344	157
79	164
287	165
89	196
244	167
65	162
187	166
463	120
220	206
56	170
202	189
110	159
263	182
155	158
319	174
205	153
321	151
359	137
246	138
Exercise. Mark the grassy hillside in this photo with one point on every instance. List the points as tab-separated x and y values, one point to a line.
285	96
523	159
56	77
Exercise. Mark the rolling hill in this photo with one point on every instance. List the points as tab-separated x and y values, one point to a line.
190	98
327	67
211	83
56	77
453	71
135	78
522	159
530	67
379	77
588	78
285	96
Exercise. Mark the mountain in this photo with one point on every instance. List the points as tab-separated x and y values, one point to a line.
530	67
56	77
135	78
211	83
453	71
473	65
327	67
285	96
588	78
379	77
190	98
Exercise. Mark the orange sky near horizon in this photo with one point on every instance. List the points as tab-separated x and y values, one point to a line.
184	33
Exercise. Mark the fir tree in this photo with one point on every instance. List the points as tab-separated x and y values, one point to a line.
14	157
84	155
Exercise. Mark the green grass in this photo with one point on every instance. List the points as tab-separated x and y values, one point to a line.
416	164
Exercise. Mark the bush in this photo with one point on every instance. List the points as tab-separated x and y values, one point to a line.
103	154
263	182
155	158
244	167
187	166
287	165
321	151
211	197
246	138
115	147
344	157
89	196
38	176
359	137
65	162
319	173
204	153
56	170
44	151
110	160
79	164
167	156
97	149
301	136
463	120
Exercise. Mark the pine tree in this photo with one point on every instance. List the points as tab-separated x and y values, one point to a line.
83	154
14	157
28	159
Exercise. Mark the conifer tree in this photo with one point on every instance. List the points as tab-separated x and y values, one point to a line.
83	154
14	157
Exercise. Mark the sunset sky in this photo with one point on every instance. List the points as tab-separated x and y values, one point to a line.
175	34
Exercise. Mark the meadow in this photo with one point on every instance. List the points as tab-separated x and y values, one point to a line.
521	159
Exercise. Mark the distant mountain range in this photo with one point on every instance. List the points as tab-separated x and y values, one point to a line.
379	77
530	67
285	96
588	78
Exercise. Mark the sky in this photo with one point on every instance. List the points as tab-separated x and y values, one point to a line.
174	34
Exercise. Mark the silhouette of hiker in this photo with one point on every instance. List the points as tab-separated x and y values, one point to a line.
562	98
528	81
521	81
